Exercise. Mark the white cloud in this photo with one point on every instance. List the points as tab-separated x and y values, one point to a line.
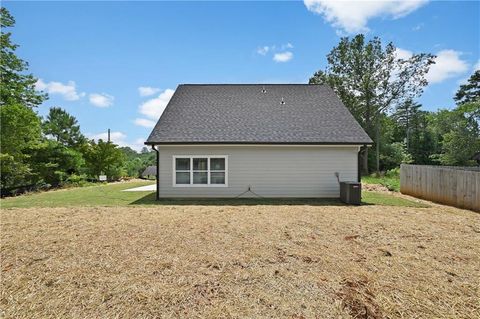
153	108
464	80
352	16
118	138
403	54
147	90
448	64
144	122
263	50
101	99
140	141
138	144
67	91
283	56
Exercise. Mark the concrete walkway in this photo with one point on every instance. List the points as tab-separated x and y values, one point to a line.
148	188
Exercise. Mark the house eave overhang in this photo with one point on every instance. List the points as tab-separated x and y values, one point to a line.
262	143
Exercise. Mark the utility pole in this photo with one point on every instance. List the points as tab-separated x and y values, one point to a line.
108	135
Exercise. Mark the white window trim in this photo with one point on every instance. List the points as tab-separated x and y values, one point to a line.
191	157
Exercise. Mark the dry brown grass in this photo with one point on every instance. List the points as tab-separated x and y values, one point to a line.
242	261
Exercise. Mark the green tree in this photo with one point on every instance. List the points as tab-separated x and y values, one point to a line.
54	162
136	163
422	143
370	80
20	131
458	134
393	150
394	154
63	127
415	132
17	87
20	125
134	167
403	115
458	147
133	162
104	158
129	152
469	92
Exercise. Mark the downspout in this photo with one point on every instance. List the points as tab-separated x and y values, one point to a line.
158	172
359	163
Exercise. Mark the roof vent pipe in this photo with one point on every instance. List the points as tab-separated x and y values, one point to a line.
282	102
263	89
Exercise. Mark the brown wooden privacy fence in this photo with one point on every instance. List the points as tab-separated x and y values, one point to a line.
455	186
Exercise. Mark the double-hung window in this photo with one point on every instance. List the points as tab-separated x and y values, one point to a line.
200	170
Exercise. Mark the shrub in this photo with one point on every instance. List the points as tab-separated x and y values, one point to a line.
390	179
77	180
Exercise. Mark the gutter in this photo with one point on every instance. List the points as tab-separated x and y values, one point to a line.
260	143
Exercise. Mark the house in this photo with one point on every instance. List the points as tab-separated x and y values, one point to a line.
149	172
275	140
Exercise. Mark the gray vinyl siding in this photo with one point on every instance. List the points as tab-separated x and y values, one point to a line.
270	171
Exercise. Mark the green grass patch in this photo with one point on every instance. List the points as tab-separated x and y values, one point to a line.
112	195
390	182
101	195
375	198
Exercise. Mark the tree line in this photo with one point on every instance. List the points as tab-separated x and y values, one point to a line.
49	152
380	90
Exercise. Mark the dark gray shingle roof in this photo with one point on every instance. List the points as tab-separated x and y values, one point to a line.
150	171
241	113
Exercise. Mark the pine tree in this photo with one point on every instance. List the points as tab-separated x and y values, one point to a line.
63	127
469	92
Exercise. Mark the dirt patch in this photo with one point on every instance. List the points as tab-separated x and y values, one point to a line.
375	188
240	261
357	297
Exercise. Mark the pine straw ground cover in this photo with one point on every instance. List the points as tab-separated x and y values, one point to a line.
240	261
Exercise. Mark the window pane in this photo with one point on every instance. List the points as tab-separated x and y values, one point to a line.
200	164
217	164
183	178
200	178
182	164
217	178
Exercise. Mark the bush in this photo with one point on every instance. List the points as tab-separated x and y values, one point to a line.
393	155
390	179
77	180
395	172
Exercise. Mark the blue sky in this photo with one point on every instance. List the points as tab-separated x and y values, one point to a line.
92	57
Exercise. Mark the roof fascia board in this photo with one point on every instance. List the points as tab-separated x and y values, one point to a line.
262	144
